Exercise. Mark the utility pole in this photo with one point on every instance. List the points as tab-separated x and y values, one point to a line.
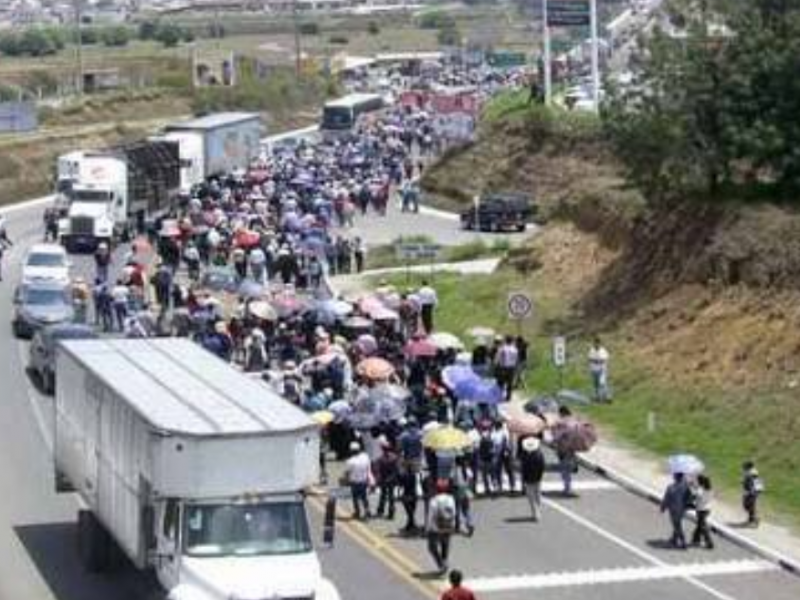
548	74
297	50
595	57
79	46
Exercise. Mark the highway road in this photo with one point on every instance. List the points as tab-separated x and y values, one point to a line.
606	538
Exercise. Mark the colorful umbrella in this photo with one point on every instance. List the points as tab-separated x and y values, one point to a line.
322	417
289	305
446	341
456	375
369	304
384	314
417	348
367	344
357	323
482	391
375	368
574	435
521	422
446	439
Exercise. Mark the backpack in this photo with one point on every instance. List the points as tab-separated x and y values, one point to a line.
486	448
445	517
758	485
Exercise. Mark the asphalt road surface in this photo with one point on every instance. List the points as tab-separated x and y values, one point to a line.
606	544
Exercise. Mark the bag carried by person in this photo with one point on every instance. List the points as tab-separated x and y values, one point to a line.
445	517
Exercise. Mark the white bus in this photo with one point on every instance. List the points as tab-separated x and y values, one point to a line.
342	115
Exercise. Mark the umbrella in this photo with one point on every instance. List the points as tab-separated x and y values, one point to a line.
322	417
420	347
688	464
245	238
482	391
481	332
369	304
251	289
521	422
340	409
384	314
574	435
289	305
446	341
334	308
357	323
218	279
261	309
456	375
367	343
446	439
374	368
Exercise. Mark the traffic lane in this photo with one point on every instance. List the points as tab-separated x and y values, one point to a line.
651	590
772	585
358	573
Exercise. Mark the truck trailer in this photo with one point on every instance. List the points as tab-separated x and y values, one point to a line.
111	193
215	145
188	467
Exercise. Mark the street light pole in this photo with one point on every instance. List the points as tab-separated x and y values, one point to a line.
595	57
297	50
79	46
548	76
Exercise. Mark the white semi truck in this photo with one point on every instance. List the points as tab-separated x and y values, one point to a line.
106	195
188	467
215	145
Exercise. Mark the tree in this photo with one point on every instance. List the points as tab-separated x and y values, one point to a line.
716	107
147	30
449	36
169	35
116	36
36	42
373	28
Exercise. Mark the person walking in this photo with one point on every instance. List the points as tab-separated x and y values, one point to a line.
675	502
5	244
387	469
102	261
752	487
532	465
120	296
506	361
567	459
702	495
457	591
358	474
427	301
441	524
598	370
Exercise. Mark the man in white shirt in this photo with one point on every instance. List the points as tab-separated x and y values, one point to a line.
506	362
598	369
358	473
441	524
427	302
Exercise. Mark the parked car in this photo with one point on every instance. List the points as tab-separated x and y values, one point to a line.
46	262
499	212
42	351
39	304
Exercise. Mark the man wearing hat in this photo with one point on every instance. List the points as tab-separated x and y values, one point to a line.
358	473
532	467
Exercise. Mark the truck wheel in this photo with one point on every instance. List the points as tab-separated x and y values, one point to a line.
93	543
48	382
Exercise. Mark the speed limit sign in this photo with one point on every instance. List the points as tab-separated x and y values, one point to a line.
520	305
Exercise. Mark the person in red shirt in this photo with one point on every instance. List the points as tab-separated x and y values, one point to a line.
457	591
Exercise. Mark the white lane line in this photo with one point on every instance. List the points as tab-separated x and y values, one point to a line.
18	206
618	575
646	556
554	487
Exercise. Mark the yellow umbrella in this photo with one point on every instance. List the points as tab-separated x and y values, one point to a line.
322	417
446	438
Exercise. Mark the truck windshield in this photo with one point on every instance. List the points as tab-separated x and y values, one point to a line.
246	530
90	195
337	117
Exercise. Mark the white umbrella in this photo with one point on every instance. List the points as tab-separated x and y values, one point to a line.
688	464
446	341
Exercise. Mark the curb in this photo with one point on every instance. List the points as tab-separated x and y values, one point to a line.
787	564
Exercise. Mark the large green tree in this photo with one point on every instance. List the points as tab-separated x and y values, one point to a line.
715	100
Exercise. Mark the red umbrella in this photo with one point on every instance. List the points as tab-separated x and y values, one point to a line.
574	435
417	348
245	238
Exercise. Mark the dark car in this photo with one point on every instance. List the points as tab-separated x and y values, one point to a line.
39	304
42	361
499	212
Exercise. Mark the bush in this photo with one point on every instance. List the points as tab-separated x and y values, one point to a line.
309	28
373	28
169	35
449	36
116	36
436	19
147	30
339	40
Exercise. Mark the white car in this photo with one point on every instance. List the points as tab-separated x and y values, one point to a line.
46	262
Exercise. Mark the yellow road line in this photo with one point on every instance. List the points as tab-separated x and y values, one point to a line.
377	546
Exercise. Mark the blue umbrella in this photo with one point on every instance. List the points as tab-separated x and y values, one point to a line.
456	375
251	289
482	391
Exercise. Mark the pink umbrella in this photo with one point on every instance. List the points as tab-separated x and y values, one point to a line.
420	347
367	344
369	304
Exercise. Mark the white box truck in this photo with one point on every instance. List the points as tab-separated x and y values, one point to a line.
112	192
188	467
215	145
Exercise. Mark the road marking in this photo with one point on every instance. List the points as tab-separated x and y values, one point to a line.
383	551
19	206
554	487
646	556
618	575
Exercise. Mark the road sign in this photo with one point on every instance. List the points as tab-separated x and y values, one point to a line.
417	251
520	305
560	351
568	13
